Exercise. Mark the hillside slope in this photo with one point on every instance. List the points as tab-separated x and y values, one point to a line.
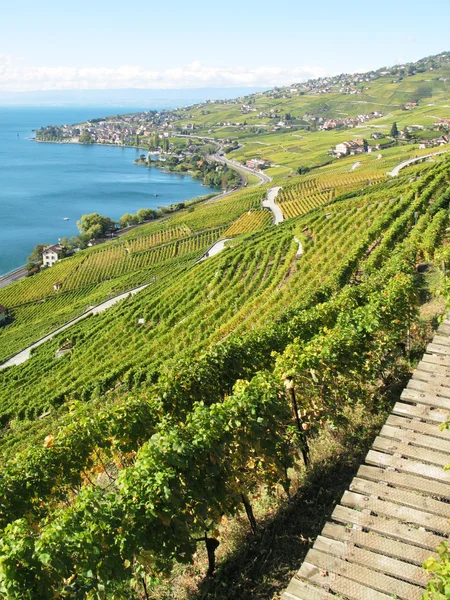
136	440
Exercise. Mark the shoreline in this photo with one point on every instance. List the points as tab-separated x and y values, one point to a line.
9	277
19	272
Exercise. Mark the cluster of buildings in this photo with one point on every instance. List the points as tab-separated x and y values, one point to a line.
122	129
439	141
257	163
443	123
350	121
351	147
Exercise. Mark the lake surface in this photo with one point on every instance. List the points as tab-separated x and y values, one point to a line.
42	183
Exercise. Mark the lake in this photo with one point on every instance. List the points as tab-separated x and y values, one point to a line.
41	184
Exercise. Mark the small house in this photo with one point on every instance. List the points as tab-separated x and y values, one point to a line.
51	254
3	314
57	286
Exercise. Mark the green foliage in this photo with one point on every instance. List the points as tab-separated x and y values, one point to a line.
86	138
128	219
95	226
36	255
438	587
394	130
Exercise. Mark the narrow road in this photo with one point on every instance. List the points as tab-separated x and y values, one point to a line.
396	170
24	355
263	178
12	276
272	205
215	249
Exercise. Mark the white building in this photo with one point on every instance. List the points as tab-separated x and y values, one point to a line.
351	147
52	254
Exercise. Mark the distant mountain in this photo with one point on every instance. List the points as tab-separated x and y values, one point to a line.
123	97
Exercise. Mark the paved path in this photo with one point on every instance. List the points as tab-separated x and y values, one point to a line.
300	246
215	249
397	507
24	355
396	170
272	205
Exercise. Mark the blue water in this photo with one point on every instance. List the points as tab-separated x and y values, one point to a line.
42	183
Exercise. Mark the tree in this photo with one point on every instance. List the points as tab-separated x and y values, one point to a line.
36	255
167	144
95	225
394	130
128	219
86	138
145	214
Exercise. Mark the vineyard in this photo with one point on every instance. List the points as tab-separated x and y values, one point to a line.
253	220
310	192
218	212
190	441
38	305
88	279
170	411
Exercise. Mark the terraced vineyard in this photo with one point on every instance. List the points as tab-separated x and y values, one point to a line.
86	280
178	398
137	440
94	275
246	286
253	220
219	212
310	192
138	239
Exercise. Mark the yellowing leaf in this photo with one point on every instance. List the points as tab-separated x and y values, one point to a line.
48	442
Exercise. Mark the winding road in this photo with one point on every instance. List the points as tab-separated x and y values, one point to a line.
270	203
215	249
396	170
263	178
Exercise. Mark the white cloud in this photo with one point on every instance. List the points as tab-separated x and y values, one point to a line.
15	76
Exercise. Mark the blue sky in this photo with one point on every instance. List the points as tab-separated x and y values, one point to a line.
110	44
